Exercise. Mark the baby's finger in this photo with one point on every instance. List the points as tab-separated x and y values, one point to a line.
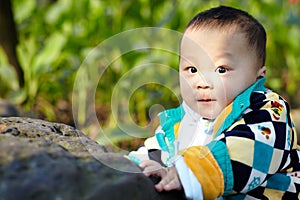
151	167
159	187
174	184
164	181
155	170
147	163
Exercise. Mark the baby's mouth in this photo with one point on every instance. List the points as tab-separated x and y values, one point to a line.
205	100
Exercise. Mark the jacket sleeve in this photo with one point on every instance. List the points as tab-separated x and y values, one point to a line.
248	153
211	166
144	152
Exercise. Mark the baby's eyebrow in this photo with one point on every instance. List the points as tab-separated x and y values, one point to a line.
187	61
224	54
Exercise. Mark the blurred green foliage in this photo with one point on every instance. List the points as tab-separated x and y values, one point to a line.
56	36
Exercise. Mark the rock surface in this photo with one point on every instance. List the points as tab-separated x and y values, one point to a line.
44	160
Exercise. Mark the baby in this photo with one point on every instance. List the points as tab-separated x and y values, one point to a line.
231	137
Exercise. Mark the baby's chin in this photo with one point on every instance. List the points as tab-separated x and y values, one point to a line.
208	116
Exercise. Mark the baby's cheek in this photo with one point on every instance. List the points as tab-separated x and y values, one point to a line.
228	92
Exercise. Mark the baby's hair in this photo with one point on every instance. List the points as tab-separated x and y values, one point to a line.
224	17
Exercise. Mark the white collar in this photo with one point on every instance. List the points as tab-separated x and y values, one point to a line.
196	116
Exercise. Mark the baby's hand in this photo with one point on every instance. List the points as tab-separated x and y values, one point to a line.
169	176
151	167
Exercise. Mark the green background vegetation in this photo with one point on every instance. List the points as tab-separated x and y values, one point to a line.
54	38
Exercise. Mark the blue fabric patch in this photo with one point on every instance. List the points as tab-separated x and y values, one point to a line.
168	119
262	156
279	182
160	137
220	153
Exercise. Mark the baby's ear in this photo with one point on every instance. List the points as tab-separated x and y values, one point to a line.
261	72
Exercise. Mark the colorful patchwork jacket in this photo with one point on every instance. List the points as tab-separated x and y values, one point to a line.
253	153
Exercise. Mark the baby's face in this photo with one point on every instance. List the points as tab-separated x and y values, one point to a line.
215	67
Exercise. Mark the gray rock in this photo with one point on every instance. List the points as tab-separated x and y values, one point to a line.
7	109
43	160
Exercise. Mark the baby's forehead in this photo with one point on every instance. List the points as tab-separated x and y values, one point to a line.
230	33
216	43
211	34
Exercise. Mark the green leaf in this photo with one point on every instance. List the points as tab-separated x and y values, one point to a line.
18	96
23	9
8	75
48	54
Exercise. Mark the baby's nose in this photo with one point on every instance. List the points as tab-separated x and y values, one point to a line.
203	82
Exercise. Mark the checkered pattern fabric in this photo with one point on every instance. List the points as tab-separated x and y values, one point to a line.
263	150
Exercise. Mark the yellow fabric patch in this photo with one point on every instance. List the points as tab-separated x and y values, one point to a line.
273	194
220	119
272	96
241	121
239	149
295	144
206	169
275	161
176	128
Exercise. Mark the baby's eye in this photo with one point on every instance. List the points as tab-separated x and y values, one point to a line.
192	70
221	70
